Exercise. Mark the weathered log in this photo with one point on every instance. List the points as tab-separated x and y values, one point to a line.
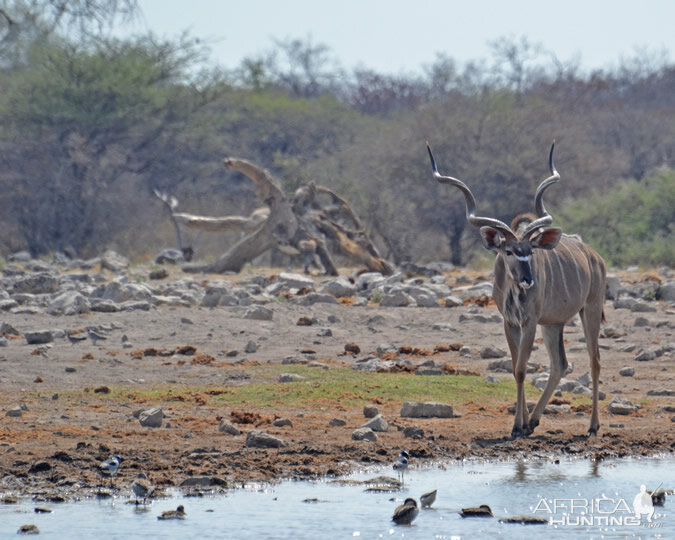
302	226
224	224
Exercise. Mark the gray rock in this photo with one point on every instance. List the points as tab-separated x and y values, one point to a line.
666	292
378	423
251	347
68	303
641	322
39	337
228	427
429	409
101	305
338	287
370	411
557	409
621	406
282	422
428	371
483	288
627	371
453	301
258	313
396	299
492	379
369	280
314	298
612	287
505	366
290	377
294	360
642	307
151	417
426	300
261	439
6	328
20	256
441	327
15	411
413	432
113	261
494	318
364	434
492	352
337	422
169	255
386	348
585	379
661	392
649	354
136	305
8	304
215	291
41	283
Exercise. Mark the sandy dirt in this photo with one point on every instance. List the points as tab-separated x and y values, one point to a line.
54	447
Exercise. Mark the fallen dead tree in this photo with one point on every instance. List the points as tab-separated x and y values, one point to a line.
301	226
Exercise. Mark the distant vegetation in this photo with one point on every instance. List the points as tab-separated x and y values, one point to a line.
91	125
632	224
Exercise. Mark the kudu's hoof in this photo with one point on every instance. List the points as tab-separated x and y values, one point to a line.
593	431
533	425
517	432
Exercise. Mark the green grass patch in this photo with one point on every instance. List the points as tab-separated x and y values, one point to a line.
321	389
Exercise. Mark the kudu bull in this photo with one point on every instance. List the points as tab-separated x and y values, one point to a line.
541	277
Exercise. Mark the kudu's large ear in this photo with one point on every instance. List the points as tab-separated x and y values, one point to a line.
546	238
491	237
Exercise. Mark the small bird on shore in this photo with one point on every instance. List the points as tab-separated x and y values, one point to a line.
109	467
95	334
401	464
178	513
427	499
141	487
481	511
406	513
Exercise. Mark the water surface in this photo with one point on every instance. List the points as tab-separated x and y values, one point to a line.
580	499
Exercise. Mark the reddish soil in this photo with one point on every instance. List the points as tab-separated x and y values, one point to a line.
55	445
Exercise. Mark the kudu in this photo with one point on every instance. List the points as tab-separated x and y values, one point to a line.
541	277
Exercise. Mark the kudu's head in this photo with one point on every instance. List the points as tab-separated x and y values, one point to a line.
515	246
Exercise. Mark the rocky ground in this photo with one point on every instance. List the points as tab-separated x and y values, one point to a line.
62	387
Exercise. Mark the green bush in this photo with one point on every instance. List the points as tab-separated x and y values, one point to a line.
632	224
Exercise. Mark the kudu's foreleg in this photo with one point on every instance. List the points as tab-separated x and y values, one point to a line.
553	339
520	342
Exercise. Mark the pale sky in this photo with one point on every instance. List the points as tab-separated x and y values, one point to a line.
400	36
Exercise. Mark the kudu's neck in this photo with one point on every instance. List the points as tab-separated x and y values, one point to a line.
514	300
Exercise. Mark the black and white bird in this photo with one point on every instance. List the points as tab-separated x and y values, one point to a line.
427	499
401	464
109	467
141	487
404	514
178	513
